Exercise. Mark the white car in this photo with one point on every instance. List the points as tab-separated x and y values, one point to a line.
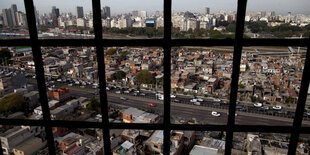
118	92
258	105
126	91
172	96
277	107
216	114
200	99
123	98
193	100
217	100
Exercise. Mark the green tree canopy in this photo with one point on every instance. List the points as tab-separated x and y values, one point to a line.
12	103
145	77
111	51
119	75
5	55
93	104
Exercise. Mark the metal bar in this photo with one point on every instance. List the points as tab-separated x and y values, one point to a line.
300	105
37	58
235	73
102	80
167	73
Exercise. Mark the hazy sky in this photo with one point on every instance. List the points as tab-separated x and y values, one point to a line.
125	6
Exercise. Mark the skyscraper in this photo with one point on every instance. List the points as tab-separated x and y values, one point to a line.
106	12
55	15
273	13
79	12
13	14
135	13
143	14
263	14
207	10
7	17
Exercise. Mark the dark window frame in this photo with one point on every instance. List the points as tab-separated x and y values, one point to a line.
166	43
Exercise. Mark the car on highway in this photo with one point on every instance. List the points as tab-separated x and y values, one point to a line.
240	107
277	107
151	104
123	98
126	92
200	99
216	100
197	103
193	100
216	114
216	103
176	100
264	108
258	105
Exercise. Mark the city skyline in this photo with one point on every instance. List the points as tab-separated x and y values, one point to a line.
198	6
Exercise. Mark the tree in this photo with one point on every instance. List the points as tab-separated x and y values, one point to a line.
145	77
119	75
93	104
5	55
231	27
12	103
111	51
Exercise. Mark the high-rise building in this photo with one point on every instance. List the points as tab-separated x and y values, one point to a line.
7	17
55	15
143	14
13	14
135	13
106	12
207	10
273	13
263	14
79	12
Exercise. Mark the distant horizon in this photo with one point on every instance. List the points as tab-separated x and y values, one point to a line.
197	6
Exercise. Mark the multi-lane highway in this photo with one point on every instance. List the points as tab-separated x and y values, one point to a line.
186	112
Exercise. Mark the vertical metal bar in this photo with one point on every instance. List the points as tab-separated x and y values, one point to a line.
101	71
235	74
37	58
300	105
167	73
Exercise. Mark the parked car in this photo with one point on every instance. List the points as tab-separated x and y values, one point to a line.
172	96
258	105
277	107
176	100
216	114
142	94
264	108
126	92
193	100
197	103
118	92
151	104
200	99
123	98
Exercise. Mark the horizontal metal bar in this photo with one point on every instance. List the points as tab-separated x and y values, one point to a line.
15	42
